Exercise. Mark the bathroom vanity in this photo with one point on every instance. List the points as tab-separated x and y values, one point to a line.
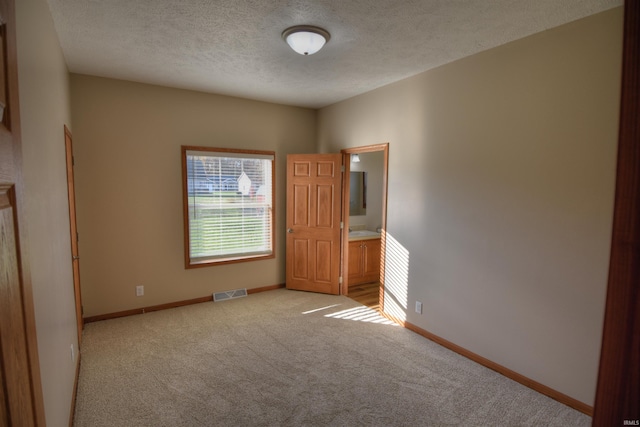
364	257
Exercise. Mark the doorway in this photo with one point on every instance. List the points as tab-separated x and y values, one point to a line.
364	204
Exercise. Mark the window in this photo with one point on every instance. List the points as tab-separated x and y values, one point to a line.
228	205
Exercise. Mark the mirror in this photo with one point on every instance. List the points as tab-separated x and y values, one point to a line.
357	193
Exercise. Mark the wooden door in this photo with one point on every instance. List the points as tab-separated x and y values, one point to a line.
313	222
355	262
371	257
75	256
20	392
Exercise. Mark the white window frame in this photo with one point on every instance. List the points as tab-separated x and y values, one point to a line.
193	206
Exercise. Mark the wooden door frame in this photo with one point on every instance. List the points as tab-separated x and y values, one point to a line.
618	392
75	259
346	161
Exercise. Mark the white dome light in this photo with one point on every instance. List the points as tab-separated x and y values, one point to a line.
305	39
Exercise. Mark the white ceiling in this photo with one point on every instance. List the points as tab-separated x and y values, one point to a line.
234	47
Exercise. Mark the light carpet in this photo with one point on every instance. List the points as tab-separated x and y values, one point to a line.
288	358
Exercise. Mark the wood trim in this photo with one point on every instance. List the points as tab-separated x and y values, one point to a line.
75	390
519	378
265	288
4	80
618	392
222	261
73	230
185	207
169	305
366	148
274	213
344	242
383	241
227	150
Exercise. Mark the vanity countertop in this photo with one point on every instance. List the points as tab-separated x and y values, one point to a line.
363	235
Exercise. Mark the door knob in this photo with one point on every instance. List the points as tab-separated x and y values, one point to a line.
289	230
75	257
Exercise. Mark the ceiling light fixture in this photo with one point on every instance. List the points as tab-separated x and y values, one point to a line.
306	39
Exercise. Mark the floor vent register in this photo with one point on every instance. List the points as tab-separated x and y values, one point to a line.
222	296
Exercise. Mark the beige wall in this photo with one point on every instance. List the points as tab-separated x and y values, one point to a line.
127	140
44	110
501	185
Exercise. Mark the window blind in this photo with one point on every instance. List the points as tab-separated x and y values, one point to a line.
230	205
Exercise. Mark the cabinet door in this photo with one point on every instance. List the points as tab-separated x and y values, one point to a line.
371	258
355	262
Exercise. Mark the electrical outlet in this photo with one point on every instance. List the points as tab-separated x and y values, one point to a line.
139	291
418	307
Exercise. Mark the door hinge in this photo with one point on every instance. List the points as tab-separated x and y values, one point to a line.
341	168
340	280
341	225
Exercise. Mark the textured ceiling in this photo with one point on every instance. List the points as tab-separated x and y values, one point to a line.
234	47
